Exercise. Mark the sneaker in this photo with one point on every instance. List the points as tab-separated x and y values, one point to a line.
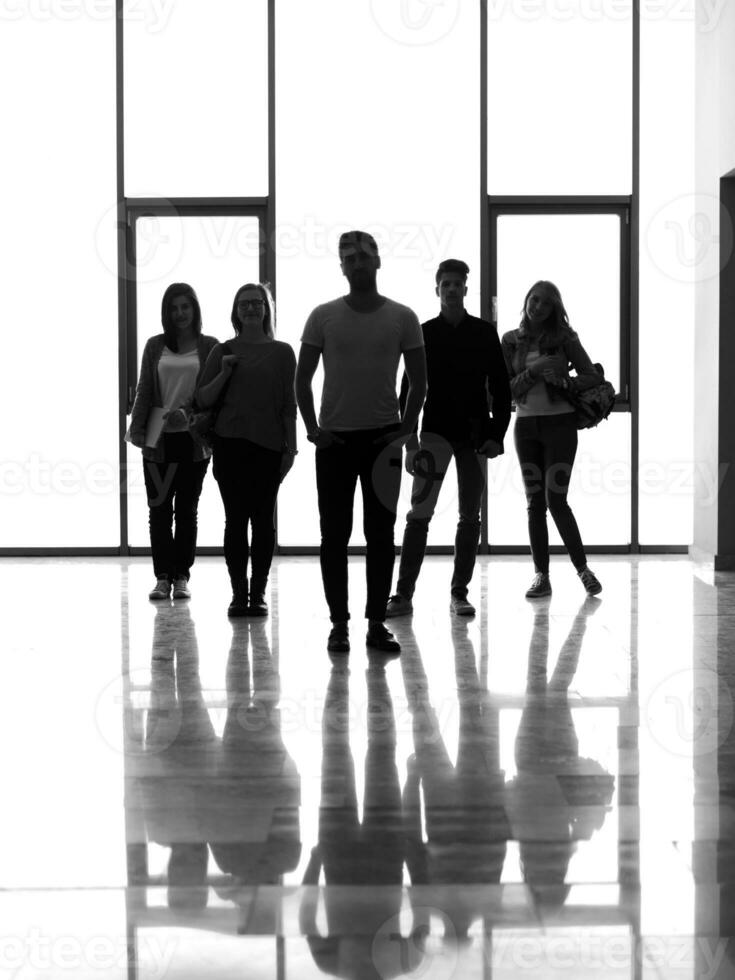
239	605
258	606
161	590
461	606
398	605
540	586
590	581
339	639
181	588
379	638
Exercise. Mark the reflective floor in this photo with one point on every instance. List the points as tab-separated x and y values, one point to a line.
547	789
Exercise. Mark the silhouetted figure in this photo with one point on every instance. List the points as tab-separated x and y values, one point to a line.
362	937
557	797
465	366
174	462
464	803
361	338
251	378
538	355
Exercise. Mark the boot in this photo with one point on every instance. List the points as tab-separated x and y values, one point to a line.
239	604
257	605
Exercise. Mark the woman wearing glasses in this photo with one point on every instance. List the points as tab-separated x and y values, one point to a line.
250	382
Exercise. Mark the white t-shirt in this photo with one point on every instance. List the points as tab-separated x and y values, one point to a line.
361	353
177	375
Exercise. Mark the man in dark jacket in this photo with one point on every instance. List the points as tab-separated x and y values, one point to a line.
466	377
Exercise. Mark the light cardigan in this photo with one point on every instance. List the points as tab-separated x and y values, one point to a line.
148	394
515	347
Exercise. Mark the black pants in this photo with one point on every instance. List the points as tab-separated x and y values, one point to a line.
424	496
173	488
546	447
338	468
248	476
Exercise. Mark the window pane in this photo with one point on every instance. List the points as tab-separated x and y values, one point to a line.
559	98
599	492
580	253
376	156
196	99
678	246
215	255
59	463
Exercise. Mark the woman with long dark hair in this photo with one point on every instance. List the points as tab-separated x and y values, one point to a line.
174	463
251	378
538	356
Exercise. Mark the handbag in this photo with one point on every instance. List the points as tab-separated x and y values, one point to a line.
593	404
201	424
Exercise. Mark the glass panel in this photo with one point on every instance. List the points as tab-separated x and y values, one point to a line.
386	166
196	99
559	98
678	249
215	255
599	494
580	253
59	464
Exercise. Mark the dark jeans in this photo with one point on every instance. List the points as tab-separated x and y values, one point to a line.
338	468
546	447
424	495
248	477
173	488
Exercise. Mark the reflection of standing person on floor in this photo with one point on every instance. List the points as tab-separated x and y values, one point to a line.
255	834
464	803
557	797
175	769
358	852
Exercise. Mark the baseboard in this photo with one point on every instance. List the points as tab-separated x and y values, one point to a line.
718	563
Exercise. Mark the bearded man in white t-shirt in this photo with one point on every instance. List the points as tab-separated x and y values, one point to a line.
360	433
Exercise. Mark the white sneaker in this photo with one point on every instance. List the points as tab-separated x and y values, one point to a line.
181	588
161	590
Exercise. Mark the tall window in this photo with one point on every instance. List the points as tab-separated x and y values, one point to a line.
196	150
566	131
59	458
377	129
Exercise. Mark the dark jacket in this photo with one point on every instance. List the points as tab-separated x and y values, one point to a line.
466	381
148	394
515	346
